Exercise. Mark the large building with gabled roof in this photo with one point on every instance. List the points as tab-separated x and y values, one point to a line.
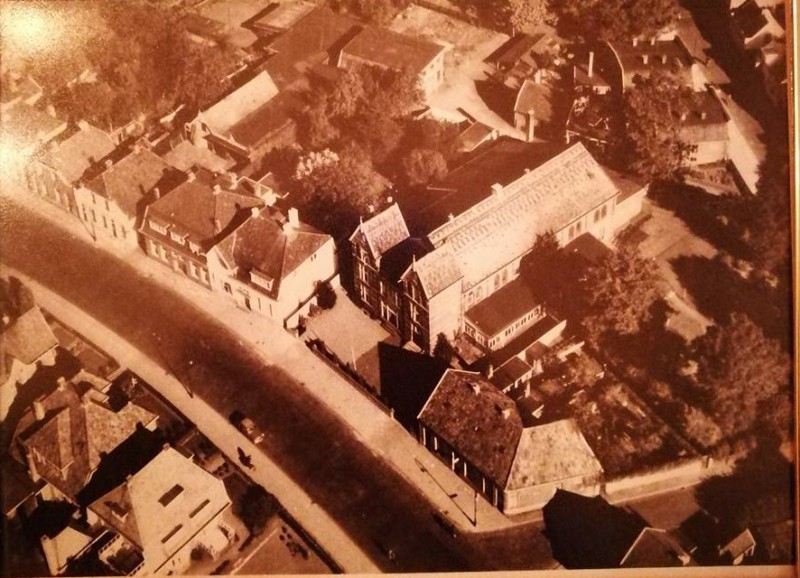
464	239
477	430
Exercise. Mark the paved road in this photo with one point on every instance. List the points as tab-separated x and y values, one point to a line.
370	501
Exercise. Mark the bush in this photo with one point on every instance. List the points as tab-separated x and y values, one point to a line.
200	552
326	296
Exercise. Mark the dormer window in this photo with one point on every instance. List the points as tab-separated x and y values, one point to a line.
157	227
195	248
177	237
262	280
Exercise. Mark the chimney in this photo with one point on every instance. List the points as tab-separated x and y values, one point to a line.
6	319
644	58
490	371
216	189
294	218
62	381
38	409
635	41
217	226
653	41
156	193
497	189
537	76
703	115
683	116
109	164
254	211
506	413
34	473
450	216
389	200
51	110
591	63
476	388
232	179
663	59
137	148
190	176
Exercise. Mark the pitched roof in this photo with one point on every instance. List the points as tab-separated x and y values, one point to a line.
504	307
399	258
392	49
234	107
28	337
162	506
264	245
655	548
77	430
533	96
129	180
284	16
383	231
203	208
184	156
71	156
552	453
706	119
481	423
508	373
648	55
436	271
589	532
260	124
505	225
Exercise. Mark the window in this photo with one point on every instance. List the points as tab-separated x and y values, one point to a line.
603	212
158	228
178	238
170	495
85	216
194	247
197	510
172	532
105	222
124	232
192	269
94	216
227	288
578	227
571	232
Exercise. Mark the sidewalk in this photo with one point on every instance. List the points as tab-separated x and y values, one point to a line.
379	432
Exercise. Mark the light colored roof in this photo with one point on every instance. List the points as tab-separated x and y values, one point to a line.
551	453
383	231
185	156
739	545
150	515
505	226
285	15
69	542
24	127
437	271
29	337
246	99
655	548
76	153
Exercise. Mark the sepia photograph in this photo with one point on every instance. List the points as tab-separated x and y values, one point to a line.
323	287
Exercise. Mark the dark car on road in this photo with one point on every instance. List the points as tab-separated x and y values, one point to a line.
247	426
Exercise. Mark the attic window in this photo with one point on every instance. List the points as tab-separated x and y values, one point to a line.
158	228
194	247
261	280
172	532
170	495
177	237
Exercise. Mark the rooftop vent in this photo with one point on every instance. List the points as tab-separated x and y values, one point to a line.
476	387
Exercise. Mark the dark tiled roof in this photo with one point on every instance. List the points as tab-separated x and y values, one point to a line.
195	209
749	18
589	532
503	307
590	248
669	55
258	126
474	135
262	244
628	185
17	484
706	120
76	431
392	49
400	257
500	161
655	548
483	427
509	372
535	97
240	103
131	179
28	337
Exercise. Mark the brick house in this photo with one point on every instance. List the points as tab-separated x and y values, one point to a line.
477	430
481	221
183	225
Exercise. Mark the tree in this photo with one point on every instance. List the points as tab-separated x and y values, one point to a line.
335	192
647	139
256	507
615	19
741	371
444	350
422	166
524	13
429	133
618	294
326	296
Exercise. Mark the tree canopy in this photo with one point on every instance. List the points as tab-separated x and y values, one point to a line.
741	372
615	19
618	294
524	13
647	138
